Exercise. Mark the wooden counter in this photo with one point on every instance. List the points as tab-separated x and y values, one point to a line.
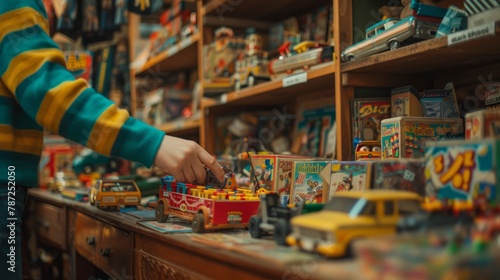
117	245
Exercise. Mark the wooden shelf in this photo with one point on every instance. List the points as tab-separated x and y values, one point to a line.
318	78
182	126
259	9
182	56
432	56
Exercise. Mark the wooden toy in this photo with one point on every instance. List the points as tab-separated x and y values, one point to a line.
213	206
406	137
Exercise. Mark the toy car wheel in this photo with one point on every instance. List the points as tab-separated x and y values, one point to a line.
394	45
250	81
350	58
160	213
254	226
281	231
198	224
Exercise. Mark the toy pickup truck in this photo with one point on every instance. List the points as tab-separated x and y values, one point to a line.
208	207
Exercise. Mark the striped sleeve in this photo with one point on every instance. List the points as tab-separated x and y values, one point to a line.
33	68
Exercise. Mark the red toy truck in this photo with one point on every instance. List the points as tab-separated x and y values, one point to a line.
208	207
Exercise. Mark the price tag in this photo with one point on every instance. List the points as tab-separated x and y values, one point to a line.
295	79
471	33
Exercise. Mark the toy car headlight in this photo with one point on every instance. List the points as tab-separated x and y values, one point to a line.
327	237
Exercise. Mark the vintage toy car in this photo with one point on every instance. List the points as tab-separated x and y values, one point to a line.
302	60
389	34
368	150
349	216
213	206
115	193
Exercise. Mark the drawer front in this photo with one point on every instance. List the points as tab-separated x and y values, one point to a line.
87	235
115	252
150	267
51	223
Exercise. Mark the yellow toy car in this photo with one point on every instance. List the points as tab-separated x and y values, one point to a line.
349	216
115	193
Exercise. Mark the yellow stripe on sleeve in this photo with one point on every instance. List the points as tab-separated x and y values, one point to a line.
28	63
57	101
28	141
4	91
20	19
106	129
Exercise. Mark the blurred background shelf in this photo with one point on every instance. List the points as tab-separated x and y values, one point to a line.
182	126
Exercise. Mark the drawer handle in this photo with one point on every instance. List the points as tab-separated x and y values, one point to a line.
105	252
91	241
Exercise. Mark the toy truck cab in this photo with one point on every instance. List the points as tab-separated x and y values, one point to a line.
349	216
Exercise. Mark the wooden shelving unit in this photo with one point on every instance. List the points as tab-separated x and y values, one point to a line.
425	64
182	126
181	56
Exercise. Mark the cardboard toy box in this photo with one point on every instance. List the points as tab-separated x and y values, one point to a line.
349	176
268	169
406	137
440	103
399	174
310	180
482	124
405	102
464	170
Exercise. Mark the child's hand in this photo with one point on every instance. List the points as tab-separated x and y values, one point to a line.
185	160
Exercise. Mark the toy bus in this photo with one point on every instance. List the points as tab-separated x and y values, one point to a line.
304	59
207	207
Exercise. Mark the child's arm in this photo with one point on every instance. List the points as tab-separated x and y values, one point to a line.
33	68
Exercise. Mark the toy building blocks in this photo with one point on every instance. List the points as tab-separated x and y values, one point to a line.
464	171
406	137
213	206
349	216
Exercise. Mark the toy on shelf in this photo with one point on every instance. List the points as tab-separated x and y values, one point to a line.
391	33
368	150
349	216
251	67
274	218
115	193
307	55
88	161
62	181
215	205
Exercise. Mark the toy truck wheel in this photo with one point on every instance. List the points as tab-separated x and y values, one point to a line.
198	224
394	45
160	213
281	231
254	226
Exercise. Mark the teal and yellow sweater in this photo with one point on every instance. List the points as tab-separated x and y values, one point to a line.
36	92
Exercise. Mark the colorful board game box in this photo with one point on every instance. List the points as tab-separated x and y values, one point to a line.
399	174
440	103
405	102
367	115
349	176
267	169
310	180
464	170
482	124
406	137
